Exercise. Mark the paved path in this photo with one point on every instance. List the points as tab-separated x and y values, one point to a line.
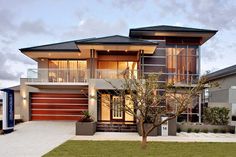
181	137
35	138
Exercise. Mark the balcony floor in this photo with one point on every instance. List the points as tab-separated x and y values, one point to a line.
58	84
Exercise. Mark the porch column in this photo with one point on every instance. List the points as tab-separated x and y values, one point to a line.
91	66
142	63
200	108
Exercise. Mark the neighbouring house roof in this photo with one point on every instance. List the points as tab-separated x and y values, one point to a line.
62	46
15	88
222	73
116	40
172	31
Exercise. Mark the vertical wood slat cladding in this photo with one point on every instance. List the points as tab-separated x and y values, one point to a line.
58	106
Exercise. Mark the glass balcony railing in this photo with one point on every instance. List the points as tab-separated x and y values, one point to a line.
58	75
82	76
116	74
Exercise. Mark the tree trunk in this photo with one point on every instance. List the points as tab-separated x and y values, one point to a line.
144	141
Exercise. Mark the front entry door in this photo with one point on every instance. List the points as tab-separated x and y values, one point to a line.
117	109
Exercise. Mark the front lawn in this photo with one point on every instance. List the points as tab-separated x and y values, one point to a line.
132	149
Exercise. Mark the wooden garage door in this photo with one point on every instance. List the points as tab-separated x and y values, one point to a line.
57	106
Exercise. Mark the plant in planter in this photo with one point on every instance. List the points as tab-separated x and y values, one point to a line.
86	126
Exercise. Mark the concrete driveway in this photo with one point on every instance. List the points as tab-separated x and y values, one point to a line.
35	138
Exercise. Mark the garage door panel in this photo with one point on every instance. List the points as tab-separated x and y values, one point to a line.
56	117
58	106
41	106
52	95
60	100
56	112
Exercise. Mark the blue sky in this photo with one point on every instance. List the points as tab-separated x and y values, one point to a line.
25	23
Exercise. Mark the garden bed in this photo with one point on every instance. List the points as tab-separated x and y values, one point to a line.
191	127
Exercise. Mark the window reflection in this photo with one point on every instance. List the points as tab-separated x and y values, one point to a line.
182	62
67	70
117	69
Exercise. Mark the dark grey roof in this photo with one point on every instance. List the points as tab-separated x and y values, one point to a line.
222	73
116	39
166	28
62	46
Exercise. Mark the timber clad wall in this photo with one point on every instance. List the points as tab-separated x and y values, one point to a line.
58	106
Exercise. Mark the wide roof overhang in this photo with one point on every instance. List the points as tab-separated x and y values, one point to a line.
147	49
117	43
204	36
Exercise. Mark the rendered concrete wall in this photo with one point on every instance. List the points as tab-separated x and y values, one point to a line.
224	95
17	102
219	96
24	103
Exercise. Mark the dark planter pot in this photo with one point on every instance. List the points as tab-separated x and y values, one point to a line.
154	132
85	128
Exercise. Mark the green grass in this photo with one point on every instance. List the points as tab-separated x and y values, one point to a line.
133	149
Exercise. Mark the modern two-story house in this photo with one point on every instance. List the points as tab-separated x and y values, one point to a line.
71	74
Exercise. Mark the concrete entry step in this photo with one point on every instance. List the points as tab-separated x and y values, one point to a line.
110	127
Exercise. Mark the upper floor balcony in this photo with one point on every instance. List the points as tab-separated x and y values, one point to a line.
82	76
44	75
60	76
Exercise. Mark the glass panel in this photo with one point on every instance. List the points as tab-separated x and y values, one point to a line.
107	65
105	107
192	52
62	73
129	103
73	71
53	66
171	60
117	108
133	69
192	63
116	69
67	70
82	66
181	65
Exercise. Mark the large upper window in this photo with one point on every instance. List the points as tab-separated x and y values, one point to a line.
116	69
182	63
67	70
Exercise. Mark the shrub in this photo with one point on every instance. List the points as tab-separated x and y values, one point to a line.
232	131
216	115
196	130
215	130
223	131
205	130
189	130
178	130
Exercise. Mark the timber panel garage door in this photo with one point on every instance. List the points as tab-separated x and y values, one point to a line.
58	106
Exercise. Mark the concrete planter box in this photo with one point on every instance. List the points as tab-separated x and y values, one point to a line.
209	128
154	132
172	125
85	128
